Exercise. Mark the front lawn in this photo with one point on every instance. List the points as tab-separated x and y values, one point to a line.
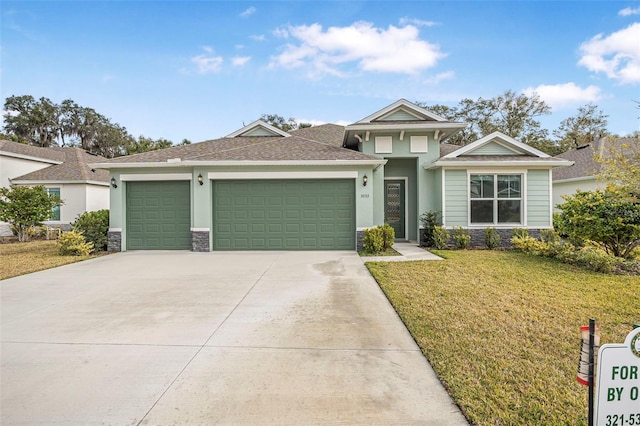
23	258
501	329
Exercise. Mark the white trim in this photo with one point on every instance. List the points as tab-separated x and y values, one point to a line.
283	175
29	157
444	198
200	229
156	177
239	163
390	125
416	144
406	201
498	163
576	179
551	206
115	229
258	123
507	140
59	182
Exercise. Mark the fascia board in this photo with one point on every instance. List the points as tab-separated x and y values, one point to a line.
467	164
506	140
255	124
56	182
430	125
29	157
397	104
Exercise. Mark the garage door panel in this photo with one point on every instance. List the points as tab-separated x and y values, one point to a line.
158	215
292	214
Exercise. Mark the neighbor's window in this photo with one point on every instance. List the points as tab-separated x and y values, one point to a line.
55	212
495	199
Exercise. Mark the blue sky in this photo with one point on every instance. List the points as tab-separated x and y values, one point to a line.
200	70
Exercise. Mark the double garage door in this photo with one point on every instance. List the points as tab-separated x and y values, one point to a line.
247	215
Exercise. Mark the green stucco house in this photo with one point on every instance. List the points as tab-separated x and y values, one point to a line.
319	188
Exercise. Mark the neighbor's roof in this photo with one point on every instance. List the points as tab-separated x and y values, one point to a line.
585	164
48	155
311	144
75	167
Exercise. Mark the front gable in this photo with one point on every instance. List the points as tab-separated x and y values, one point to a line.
497	143
258	128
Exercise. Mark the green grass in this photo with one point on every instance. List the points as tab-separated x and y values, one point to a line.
501	329
24	258
387	252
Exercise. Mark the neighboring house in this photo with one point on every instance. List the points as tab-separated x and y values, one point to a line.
63	171
261	188
583	174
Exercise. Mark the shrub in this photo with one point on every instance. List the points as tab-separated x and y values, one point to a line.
429	221
373	241
72	243
549	236
491	238
519	233
26	207
529	245
461	237
388	236
94	226
440	237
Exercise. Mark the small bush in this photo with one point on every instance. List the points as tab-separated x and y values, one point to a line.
549	236
94	226
491	238
388	236
373	241
529	245
519	233
461	237
429	221
72	243
440	237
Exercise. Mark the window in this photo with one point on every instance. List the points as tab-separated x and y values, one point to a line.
55	212
495	199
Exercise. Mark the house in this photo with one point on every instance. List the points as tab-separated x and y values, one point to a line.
583	174
63	171
261	188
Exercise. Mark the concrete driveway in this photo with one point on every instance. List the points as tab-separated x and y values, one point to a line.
211	338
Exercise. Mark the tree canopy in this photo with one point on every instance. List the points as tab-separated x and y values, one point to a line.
282	123
44	123
26	207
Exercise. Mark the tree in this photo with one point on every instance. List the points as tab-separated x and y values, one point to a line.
26	207
144	144
281	123
513	114
606	217
621	165
589	125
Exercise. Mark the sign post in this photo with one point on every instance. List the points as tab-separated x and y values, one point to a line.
618	385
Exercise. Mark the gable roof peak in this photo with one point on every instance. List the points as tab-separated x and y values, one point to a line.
503	139
402	105
258	125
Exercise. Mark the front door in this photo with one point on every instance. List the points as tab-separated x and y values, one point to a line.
394	206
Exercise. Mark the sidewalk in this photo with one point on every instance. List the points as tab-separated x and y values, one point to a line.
409	251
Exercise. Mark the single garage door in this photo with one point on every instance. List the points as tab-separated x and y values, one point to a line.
158	215
284	215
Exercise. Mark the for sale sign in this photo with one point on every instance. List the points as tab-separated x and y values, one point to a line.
618	384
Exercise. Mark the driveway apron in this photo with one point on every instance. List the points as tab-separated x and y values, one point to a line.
211	338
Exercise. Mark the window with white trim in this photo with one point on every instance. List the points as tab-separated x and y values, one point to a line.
495	199
55	212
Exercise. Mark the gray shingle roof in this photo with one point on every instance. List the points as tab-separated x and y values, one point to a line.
584	162
314	143
31	151
74	168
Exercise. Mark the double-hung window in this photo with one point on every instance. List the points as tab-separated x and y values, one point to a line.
55	212
495	199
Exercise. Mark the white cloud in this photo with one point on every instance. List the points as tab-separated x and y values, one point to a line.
257	37
280	33
239	61
320	122
417	22
617	55
628	11
391	50
448	75
567	94
207	63
250	11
